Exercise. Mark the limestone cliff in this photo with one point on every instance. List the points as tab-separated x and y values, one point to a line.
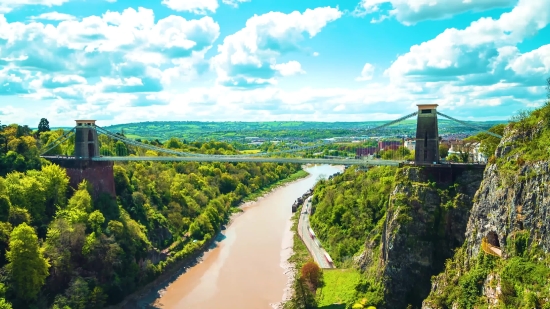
512	213
425	220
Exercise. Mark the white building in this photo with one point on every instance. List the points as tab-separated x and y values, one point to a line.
410	144
474	152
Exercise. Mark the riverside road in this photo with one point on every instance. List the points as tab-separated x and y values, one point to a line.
312	243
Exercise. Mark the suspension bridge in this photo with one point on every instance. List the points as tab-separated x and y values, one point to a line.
94	143
96	149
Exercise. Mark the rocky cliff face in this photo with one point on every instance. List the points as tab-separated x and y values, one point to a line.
424	223
511	212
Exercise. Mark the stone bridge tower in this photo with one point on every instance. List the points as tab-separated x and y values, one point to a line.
86	145
82	166
427	135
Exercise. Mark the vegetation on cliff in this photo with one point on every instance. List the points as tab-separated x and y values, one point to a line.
348	207
511	206
62	248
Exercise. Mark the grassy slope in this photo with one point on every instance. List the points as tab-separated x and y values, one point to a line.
339	287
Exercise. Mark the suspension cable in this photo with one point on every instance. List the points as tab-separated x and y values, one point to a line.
469	125
393	122
150	147
180	153
56	141
59	142
330	142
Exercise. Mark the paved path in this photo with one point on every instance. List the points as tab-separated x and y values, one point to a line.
312	244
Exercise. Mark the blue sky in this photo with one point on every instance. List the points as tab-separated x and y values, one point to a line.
122	61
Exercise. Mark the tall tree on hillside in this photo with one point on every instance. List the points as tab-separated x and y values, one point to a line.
43	126
311	273
27	264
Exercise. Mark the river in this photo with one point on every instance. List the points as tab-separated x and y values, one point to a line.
246	268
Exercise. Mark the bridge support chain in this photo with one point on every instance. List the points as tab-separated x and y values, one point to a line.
60	140
469	125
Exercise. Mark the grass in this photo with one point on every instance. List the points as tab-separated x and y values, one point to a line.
299	174
339	288
300	253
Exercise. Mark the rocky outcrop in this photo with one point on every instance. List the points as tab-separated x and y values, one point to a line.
508	203
424	222
513	200
299	201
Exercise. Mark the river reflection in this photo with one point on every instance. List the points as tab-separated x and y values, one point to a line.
246	269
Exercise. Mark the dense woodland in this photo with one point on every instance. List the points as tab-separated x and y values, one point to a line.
62	248
348	207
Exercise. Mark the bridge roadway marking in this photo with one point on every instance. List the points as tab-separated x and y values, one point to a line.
253	159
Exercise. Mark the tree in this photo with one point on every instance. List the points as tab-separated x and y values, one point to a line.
443	151
453	158
27	264
302	298
311	273
5	206
43	126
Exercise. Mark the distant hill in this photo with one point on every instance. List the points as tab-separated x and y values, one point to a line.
236	130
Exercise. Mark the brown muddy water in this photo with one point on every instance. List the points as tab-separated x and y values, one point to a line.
247	267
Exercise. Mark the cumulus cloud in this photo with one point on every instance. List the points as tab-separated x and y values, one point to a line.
412	11
234	3
54	16
484	50
127	46
289	68
194	6
248	58
7	6
366	73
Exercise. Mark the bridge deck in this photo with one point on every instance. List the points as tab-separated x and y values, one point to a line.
253	159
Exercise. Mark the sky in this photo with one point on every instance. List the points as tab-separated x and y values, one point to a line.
122	61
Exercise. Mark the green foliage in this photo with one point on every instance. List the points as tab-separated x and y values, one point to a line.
5	206
44	125
348	207
18	149
523	278
302	298
339	286
531	145
443	151
237	131
27	265
5	304
102	249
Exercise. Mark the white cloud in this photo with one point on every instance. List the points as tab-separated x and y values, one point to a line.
54	16
315	54
248	57
366	73
194	6
7	6
234	3
485	47
536	62
413	11
66	60
289	68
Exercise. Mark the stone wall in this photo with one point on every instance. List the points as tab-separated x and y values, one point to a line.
98	174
